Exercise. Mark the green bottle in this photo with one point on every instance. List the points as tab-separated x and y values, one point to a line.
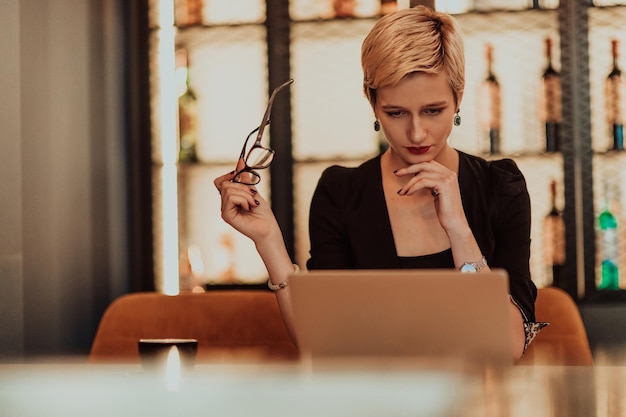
609	250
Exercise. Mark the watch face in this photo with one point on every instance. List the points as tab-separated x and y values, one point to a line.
468	268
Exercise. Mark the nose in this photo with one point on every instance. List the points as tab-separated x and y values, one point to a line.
417	130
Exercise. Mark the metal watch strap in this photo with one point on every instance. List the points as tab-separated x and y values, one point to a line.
473	267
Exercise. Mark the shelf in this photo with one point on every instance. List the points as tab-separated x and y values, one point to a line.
193	36
548	156
229	72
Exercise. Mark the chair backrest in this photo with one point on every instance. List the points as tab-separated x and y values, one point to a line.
228	324
564	341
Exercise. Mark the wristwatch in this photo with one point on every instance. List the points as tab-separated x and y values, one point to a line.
473	267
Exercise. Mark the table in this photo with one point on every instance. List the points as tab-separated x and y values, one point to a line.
262	389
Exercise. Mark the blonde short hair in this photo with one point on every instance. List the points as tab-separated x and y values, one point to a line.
411	41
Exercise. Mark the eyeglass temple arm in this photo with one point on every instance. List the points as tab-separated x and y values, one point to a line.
243	149
266	117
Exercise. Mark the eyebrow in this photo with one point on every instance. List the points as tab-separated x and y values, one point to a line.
433	104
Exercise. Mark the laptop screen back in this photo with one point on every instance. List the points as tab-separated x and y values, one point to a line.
402	313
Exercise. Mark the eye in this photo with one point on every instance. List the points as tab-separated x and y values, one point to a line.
395	113
434	111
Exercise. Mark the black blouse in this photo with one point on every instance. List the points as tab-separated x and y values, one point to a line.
349	224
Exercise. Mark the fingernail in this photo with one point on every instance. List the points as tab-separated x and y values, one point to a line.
257	202
253	191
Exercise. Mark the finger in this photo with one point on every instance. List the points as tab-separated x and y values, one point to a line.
219	181
420	181
235	188
411	169
239	203
234	194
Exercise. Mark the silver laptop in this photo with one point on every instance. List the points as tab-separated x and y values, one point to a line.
429	314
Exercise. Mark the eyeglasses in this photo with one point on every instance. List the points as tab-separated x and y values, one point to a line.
255	155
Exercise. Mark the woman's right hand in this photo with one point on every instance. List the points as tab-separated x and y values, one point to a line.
245	209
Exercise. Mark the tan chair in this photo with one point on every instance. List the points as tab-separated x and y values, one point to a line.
564	341
230	325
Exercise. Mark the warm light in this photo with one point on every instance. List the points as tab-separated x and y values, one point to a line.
172	369
169	227
166	13
168	155
169	97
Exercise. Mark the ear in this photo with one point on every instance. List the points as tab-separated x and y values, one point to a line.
375	110
459	99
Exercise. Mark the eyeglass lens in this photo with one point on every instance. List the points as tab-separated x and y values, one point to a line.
247	177
257	156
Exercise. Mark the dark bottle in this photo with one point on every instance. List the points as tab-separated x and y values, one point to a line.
490	110
187	113
551	107
554	240
614	91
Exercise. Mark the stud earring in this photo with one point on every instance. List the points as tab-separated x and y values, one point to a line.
376	125
457	119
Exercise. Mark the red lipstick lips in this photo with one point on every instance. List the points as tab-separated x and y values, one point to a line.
418	150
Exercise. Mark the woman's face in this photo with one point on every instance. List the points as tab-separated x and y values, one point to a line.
416	116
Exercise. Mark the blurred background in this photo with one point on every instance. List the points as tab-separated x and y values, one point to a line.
117	116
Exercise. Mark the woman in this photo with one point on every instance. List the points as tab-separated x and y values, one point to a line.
422	203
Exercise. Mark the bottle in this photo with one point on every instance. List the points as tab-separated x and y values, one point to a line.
554	240
614	91
343	8
609	272
490	109
188	12
388	6
551	109
187	111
